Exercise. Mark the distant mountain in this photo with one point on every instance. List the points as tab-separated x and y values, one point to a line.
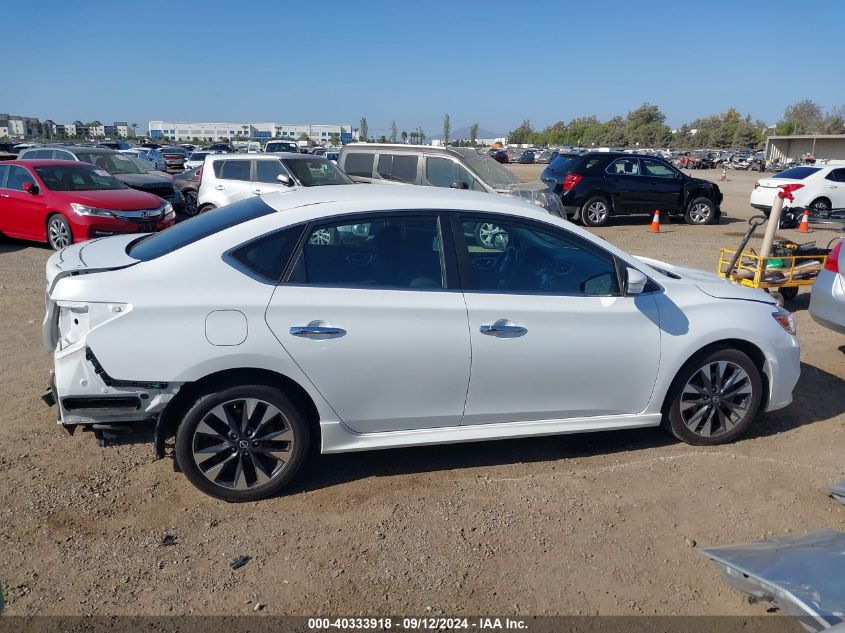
463	133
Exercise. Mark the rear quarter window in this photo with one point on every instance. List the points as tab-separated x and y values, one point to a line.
359	164
267	257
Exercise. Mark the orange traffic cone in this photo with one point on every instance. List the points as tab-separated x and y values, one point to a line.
655	223
804	227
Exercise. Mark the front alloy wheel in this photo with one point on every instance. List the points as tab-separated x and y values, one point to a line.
716	398
58	233
241	444
190	207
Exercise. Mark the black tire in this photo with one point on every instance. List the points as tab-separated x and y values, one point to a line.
821	204
205	207
724	428
789	294
593	207
695	214
191	206
59	234
238	456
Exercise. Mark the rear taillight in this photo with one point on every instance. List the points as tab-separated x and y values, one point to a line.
791	187
832	263
756	183
571	180
199	176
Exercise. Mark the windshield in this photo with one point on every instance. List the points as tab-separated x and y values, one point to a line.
197	228
488	169
313	172
77	178
198	156
797	173
275	146
143	165
112	163
562	163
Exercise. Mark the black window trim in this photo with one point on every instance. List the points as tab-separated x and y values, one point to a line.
447	247
467	274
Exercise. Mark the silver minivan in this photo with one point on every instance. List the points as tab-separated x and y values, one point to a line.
455	167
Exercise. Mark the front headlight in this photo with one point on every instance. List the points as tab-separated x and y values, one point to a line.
84	209
786	320
167	209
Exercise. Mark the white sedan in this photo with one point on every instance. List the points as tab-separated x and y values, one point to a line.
363	318
819	187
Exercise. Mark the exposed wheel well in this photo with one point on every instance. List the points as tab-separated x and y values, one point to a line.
749	349
822	199
176	409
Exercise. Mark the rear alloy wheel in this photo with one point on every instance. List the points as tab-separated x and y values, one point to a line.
715	398
595	212
243	443
700	211
59	234
191	203
820	204
206	207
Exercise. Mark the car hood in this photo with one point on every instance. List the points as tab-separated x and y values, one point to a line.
710	283
118	199
147	181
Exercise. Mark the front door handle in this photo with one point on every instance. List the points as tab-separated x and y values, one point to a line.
4	195
503	328
220	187
317	330
257	192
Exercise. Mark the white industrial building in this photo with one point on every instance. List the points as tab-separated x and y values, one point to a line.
795	146
185	131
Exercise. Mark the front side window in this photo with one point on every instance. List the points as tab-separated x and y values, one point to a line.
18	177
268	171
510	257
624	167
656	168
837	175
389	253
442	172
316	171
359	164
398	168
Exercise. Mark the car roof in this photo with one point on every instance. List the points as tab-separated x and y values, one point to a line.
294	155
217	157
42	162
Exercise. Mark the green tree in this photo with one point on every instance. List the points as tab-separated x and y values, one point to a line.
393	131
382	139
414	137
473	134
404	136
522	134
833	122
363	129
447	129
334	139
806	116
421	134
304	137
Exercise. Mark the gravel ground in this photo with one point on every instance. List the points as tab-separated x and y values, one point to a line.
579	524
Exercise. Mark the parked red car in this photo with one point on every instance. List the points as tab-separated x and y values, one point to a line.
61	202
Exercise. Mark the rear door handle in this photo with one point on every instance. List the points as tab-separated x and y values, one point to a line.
257	192
220	187
503	328
317	330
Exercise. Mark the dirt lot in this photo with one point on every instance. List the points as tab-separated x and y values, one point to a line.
601	523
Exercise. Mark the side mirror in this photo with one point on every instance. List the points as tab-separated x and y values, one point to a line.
459	184
635	281
286	180
31	187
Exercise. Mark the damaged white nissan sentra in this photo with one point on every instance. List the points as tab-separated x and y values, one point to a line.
368	317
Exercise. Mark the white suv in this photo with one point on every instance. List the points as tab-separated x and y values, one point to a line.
227	178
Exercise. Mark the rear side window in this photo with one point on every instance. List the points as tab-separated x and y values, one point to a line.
268	256
197	228
797	173
359	164
624	167
398	168
232	169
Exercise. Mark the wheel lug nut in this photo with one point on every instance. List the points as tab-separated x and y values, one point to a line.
255	443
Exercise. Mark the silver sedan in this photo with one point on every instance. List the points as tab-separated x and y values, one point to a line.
827	301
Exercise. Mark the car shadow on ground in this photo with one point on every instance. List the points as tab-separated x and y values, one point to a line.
12	245
815	399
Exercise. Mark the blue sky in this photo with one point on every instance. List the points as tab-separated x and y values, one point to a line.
494	62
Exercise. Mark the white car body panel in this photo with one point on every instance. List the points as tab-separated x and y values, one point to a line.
399	377
815	186
223	191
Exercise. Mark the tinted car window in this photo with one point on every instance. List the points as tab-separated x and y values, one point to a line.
657	168
197	228
4	171
624	167
359	164
316	171
562	163
268	256
268	170
398	168
510	257
837	175
797	173
393	252
112	163
232	169
442	172
18	177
